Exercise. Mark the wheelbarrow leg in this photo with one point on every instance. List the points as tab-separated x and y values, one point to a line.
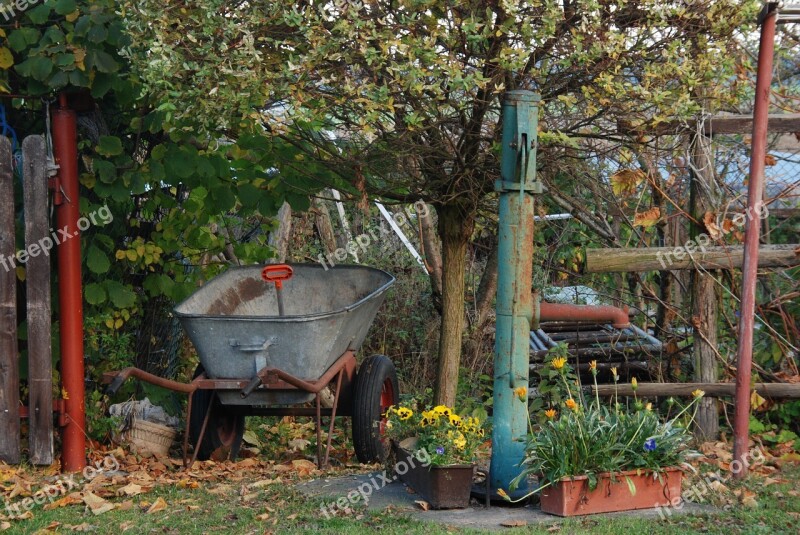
202	430
333	415
186	433
319	431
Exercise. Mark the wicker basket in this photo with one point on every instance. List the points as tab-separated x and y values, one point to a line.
155	438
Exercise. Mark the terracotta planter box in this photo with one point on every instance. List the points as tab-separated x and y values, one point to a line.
570	497
443	487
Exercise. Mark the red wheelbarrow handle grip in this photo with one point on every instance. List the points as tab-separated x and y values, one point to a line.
277	273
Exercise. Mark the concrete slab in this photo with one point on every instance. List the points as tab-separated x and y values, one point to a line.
382	491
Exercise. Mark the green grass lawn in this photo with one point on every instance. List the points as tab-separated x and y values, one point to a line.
230	498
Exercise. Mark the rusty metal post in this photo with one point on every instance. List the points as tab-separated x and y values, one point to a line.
514	300
70	295
755	187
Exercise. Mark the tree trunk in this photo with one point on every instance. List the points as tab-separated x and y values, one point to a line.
487	289
705	297
432	255
455	229
322	218
475	347
279	238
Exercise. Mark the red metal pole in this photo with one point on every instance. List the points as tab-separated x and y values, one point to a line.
758	153
70	295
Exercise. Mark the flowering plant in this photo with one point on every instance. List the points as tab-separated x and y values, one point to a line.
579	438
441	434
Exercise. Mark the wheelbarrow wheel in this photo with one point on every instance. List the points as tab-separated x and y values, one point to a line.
223	429
375	390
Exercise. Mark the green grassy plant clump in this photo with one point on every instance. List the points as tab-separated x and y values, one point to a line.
580	438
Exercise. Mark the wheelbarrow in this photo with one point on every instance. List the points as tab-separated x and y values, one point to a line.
273	339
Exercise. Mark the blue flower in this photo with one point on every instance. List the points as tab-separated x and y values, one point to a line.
650	444
440	450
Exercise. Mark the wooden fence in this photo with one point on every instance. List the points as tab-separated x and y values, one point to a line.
34	261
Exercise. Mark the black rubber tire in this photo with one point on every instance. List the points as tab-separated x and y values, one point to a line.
223	428
374	390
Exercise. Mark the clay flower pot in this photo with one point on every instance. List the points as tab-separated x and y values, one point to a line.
571	496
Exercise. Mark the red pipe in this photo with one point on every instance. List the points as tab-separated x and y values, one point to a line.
559	312
70	298
755	187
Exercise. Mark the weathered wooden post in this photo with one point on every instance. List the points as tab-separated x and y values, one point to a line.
704	197
9	355
37	276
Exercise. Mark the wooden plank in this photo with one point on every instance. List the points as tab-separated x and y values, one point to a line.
766	390
9	356
743	124
779	123
676	258
39	243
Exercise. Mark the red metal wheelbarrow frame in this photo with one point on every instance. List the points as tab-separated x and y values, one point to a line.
342	372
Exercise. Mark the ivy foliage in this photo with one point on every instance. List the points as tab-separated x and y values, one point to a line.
182	202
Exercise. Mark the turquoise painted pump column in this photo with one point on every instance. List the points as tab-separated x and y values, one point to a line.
515	307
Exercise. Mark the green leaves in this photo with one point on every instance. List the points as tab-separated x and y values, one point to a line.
63	48
6	58
97	261
95	294
65	7
109	146
105	171
101	60
120	296
20	39
38	68
39	14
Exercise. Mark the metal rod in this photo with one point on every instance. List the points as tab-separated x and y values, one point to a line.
318	419
121	376
544	337
279	295
644	334
558	311
755	189
333	415
186	432
70	295
536	344
203	429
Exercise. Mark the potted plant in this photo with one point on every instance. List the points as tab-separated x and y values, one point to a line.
436	451
593	458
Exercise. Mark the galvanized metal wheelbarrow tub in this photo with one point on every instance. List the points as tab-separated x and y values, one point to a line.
270	338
